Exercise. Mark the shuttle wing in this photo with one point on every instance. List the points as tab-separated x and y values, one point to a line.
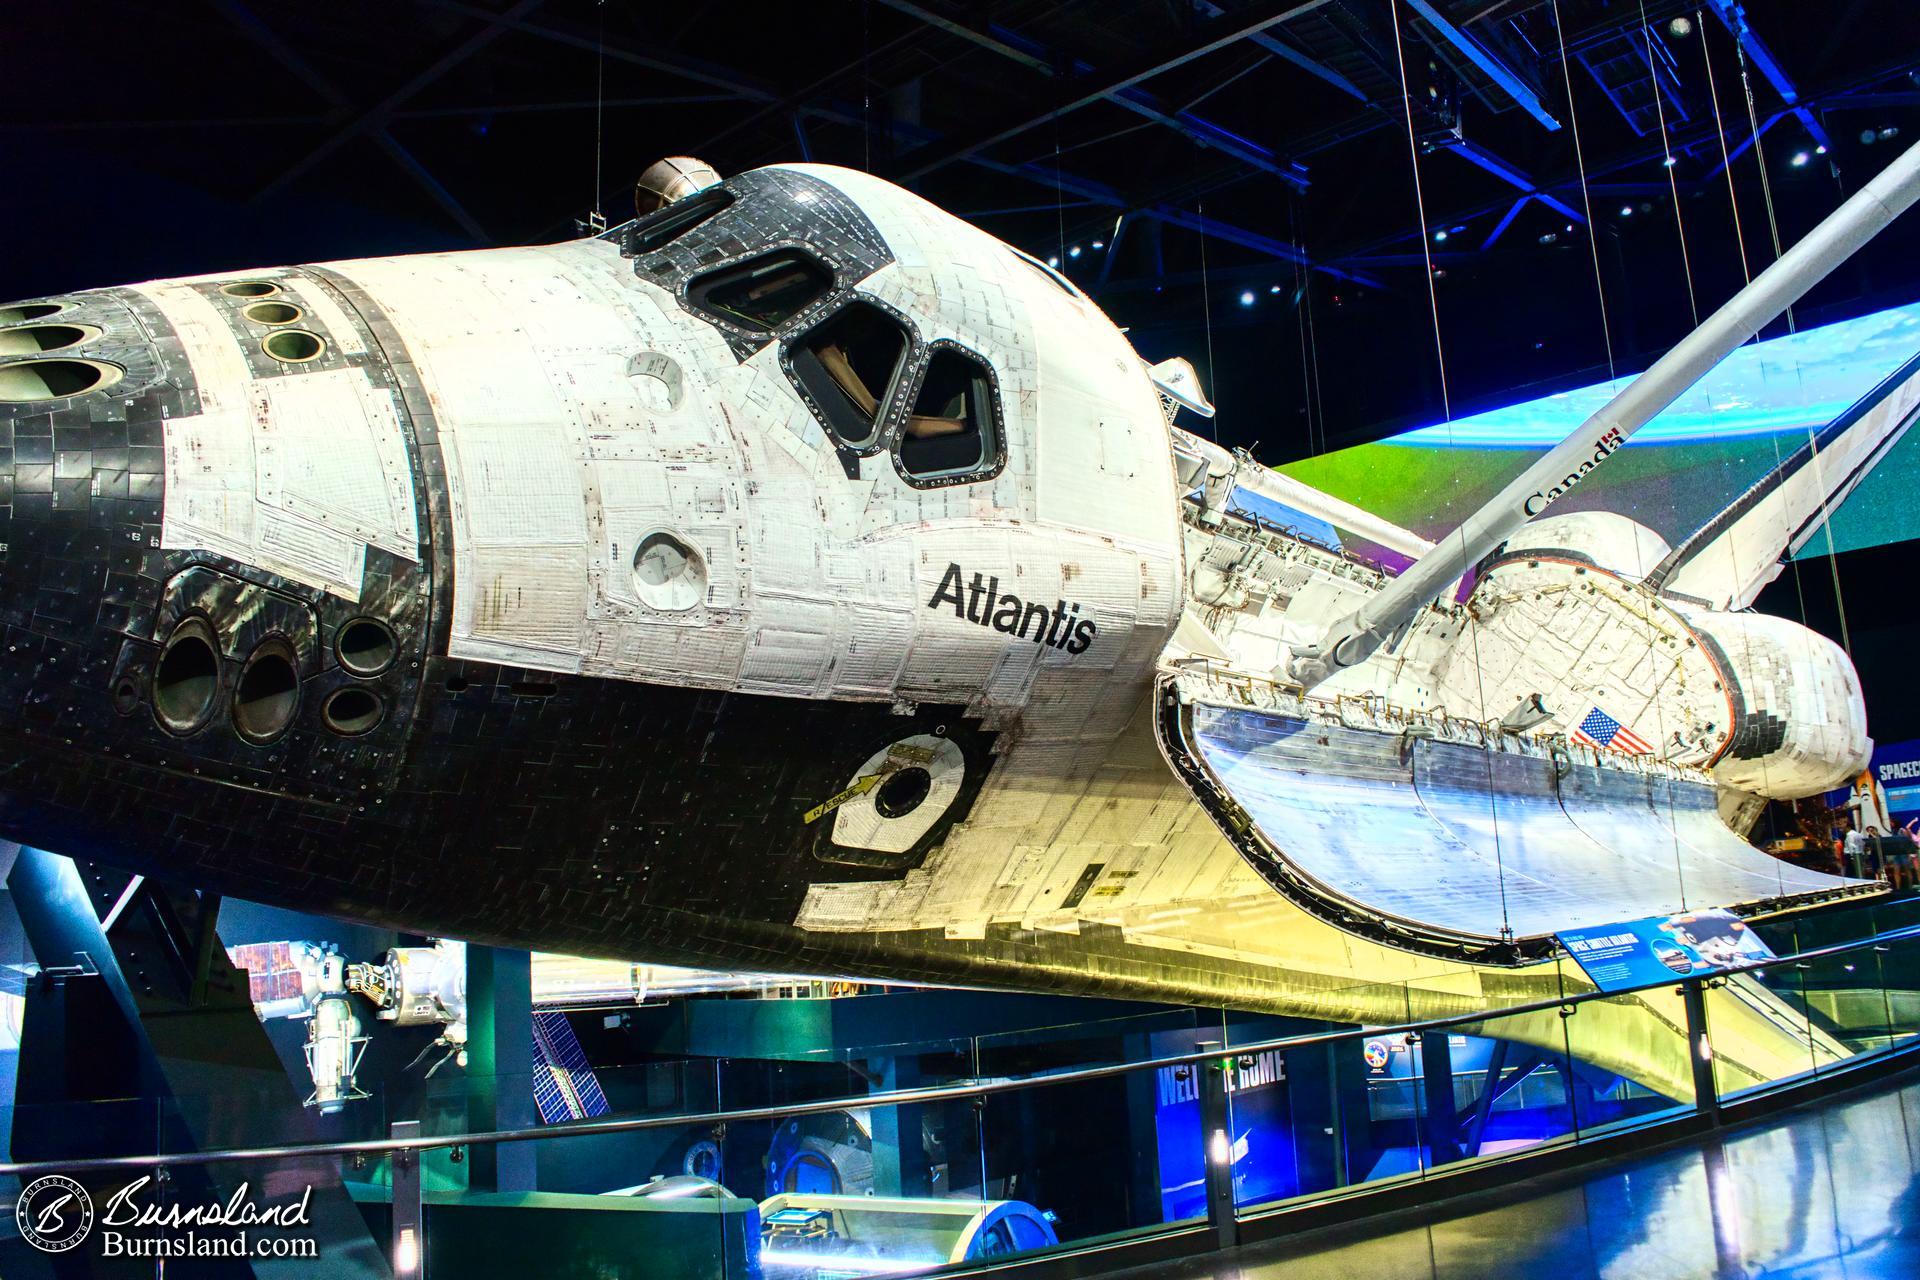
1442	838
1728	561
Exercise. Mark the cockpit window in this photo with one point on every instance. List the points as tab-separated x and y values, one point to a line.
847	365
664	226
761	293
953	429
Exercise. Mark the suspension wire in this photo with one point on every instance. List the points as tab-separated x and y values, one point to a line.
1060	200
1773	228
1420	205
1760	156
1600	296
1692	296
1300	283
1313	345
1669	162
1726	160
1206	315
1656	681
599	219
1446	405
1740	239
866	80
1586	195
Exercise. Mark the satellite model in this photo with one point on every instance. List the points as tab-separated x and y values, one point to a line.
799	578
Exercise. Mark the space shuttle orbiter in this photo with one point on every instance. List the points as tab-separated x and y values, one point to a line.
797	577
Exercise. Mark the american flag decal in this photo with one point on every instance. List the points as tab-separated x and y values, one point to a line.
1601	730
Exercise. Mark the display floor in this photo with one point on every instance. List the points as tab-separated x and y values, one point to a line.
1827	1193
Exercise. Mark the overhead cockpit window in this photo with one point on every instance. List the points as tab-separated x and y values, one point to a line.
847	365
664	226
1061	282
761	293
953	430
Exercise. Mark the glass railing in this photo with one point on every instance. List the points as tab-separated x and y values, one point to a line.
1165	1130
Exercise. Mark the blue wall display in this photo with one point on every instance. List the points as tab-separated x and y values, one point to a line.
1896	767
1264	1165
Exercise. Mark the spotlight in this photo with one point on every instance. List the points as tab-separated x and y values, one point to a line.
1074	252
1626	211
1246	298
1439	237
1569	228
1680	28
1889	131
1868	137
1549	237
1820	150
1053	261
1800	159
1670	161
1273	288
1099	244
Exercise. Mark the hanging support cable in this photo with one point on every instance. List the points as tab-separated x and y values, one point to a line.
1669	161
598	218
1586	195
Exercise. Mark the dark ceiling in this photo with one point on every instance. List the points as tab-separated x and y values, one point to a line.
1213	150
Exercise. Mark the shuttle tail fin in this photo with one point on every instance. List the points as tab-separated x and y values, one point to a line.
1729	560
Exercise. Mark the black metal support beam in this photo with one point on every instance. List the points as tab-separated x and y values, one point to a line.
557	32
1035	56
1514	85
432	185
375	117
1704	138
1076	94
342	105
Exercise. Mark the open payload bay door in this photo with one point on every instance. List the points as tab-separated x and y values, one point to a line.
1435	836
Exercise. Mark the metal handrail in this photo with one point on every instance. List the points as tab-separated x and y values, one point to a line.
905	1097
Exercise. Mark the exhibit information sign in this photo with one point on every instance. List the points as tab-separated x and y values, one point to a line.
1639	952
